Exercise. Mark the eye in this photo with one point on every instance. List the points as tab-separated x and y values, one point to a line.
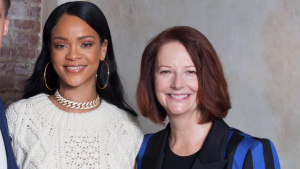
60	46
192	72
165	72
87	44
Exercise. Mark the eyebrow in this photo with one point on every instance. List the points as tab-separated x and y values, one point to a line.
163	66
84	37
80	38
171	66
61	38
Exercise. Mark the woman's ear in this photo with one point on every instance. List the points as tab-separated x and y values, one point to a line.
103	49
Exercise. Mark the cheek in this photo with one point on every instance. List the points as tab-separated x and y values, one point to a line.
56	62
56	69
93	56
194	86
57	56
161	86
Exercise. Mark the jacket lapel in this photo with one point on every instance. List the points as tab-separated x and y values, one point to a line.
155	151
211	155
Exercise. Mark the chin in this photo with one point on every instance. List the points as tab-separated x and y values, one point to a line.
72	83
177	112
181	110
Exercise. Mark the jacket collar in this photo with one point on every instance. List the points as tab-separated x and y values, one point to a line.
211	155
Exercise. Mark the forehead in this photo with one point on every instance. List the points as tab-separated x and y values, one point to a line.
70	25
174	53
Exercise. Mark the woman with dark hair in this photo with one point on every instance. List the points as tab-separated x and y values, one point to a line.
182	78
73	113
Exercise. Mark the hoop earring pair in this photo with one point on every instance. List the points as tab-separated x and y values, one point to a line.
106	79
45	77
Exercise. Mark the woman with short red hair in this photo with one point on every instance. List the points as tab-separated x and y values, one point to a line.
182	78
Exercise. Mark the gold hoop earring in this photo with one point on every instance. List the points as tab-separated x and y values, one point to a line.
45	76
107	77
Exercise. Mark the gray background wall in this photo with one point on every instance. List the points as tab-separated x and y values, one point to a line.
257	42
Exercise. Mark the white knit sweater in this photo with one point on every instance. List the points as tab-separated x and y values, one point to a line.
44	136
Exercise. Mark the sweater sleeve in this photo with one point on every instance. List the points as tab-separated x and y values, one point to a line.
262	155
135	135
128	136
12	116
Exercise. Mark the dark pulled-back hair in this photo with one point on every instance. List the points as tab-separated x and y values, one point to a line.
93	16
6	6
212	96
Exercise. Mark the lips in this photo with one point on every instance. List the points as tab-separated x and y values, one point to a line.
74	69
179	96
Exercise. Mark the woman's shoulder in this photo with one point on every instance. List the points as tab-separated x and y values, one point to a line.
120	116
22	109
30	99
236	137
153	139
23	102
248	150
23	105
125	126
117	112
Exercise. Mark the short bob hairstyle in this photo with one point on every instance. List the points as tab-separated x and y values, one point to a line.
212	96
93	16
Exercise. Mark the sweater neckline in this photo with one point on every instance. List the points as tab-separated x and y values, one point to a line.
50	114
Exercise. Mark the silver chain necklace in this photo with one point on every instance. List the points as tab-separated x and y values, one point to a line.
76	105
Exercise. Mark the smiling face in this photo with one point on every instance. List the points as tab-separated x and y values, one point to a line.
175	79
76	52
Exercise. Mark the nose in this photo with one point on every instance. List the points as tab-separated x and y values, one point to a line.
178	82
73	54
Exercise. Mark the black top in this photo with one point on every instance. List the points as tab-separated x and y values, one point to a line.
174	161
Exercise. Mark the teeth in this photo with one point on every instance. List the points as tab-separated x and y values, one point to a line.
74	68
179	96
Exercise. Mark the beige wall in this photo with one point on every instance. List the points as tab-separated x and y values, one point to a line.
257	42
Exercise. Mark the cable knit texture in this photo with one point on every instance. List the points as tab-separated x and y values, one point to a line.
44	136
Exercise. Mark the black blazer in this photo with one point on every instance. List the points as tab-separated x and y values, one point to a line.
223	148
11	162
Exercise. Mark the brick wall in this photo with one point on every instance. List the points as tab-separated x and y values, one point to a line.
20	48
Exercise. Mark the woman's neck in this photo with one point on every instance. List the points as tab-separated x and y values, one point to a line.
78	94
187	136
